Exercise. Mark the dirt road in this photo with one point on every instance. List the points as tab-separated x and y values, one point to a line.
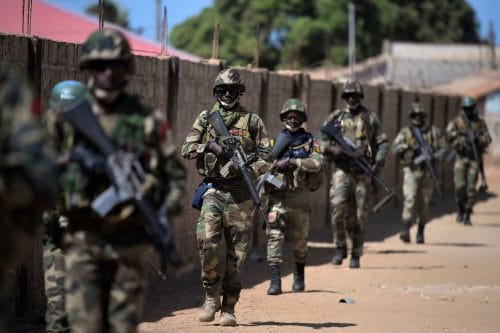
449	284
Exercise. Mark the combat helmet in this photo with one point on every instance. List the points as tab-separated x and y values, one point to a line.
467	102
229	76
352	87
67	91
295	105
106	45
417	108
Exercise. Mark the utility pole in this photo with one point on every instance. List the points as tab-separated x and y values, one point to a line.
101	14
164	33
352	40
256	54
492	42
215	41
158	20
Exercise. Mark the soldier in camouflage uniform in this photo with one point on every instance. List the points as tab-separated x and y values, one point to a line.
227	207
27	176
55	224
298	165
466	168
350	186
417	184
104	257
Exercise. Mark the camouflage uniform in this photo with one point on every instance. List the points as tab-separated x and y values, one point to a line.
417	184
55	225
289	206
350	186
27	176
466	168
104	257
227	208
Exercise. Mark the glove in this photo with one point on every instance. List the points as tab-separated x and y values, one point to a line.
215	148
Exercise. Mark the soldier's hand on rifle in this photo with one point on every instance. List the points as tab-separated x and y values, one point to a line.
282	165
377	167
336	151
215	148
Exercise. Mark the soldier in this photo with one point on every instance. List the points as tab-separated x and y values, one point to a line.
468	136
350	186
418	180
28	176
55	224
227	208
298	164
104	256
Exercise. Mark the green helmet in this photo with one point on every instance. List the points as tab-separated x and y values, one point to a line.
295	105
467	102
352	87
67	91
417	108
106	45
229	77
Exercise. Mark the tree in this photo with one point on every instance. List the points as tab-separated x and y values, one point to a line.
112	13
298	34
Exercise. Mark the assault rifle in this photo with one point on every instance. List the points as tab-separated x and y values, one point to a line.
426	156
127	177
238	157
471	139
333	132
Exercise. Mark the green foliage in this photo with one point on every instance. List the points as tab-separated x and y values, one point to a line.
299	34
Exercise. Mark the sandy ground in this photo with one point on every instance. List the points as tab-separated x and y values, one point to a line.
449	284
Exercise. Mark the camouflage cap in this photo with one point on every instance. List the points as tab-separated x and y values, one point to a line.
295	105
67	91
417	108
352	87
467	102
230	76
106	45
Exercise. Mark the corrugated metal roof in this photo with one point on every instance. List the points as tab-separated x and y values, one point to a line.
51	22
476	85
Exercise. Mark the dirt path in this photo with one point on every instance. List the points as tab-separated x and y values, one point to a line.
449	284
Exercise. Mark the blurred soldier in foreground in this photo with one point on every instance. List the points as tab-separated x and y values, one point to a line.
55	225
28	176
228	143
468	136
350	185
419	146
105	246
297	164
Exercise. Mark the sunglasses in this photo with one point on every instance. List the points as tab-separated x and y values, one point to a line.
222	90
101	66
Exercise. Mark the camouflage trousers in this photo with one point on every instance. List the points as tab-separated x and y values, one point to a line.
465	173
104	285
349	209
222	218
288	211
54	273
417	192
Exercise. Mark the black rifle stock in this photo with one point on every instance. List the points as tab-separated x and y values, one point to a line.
333	132
471	138
426	156
238	157
126	176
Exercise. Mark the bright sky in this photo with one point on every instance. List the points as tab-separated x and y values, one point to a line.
142	12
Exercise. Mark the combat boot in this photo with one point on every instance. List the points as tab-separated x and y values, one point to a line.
405	233
354	263
298	277
227	317
467	220
460	214
209	309
420	234
275	287
339	256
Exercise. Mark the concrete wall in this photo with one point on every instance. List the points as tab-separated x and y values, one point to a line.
182	89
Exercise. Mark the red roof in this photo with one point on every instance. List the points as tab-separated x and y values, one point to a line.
51	22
